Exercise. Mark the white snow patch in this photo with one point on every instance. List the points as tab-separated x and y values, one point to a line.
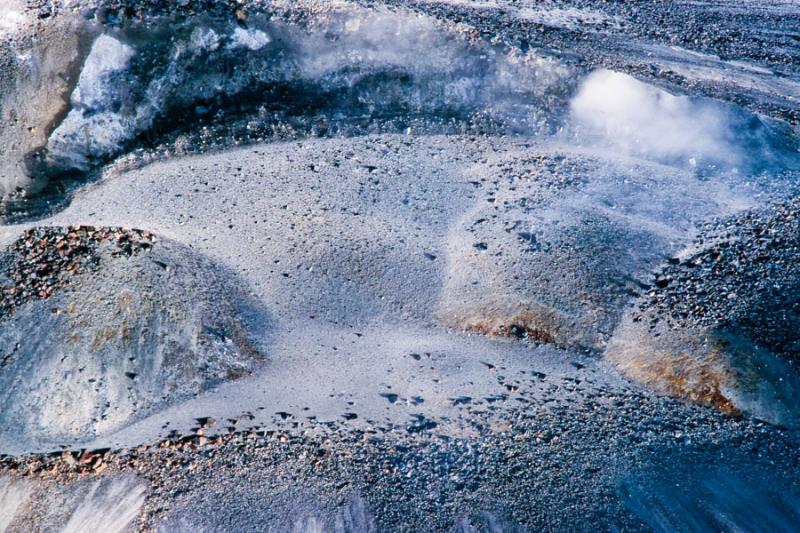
569	18
252	39
707	67
107	57
467	3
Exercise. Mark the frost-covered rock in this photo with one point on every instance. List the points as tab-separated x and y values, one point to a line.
100	120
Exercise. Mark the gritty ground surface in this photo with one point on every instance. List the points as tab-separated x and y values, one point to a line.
529	473
434	278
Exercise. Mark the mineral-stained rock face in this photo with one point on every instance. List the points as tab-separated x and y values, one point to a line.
720	323
101	325
38	70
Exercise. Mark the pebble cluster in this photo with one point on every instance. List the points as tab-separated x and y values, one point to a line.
743	278
44	259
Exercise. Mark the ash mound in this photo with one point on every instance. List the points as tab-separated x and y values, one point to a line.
720	322
558	242
100	326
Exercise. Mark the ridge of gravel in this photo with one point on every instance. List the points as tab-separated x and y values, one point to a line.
413	480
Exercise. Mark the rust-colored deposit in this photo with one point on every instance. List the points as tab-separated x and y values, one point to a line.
701	377
536	323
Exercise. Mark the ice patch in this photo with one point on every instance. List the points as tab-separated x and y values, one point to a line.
351	518
567	18
14	494
110	506
722	500
95	126
108	57
203	39
252	39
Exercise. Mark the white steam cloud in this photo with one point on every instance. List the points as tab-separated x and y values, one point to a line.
382	63
635	118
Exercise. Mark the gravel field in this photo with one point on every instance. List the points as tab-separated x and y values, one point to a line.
473	266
